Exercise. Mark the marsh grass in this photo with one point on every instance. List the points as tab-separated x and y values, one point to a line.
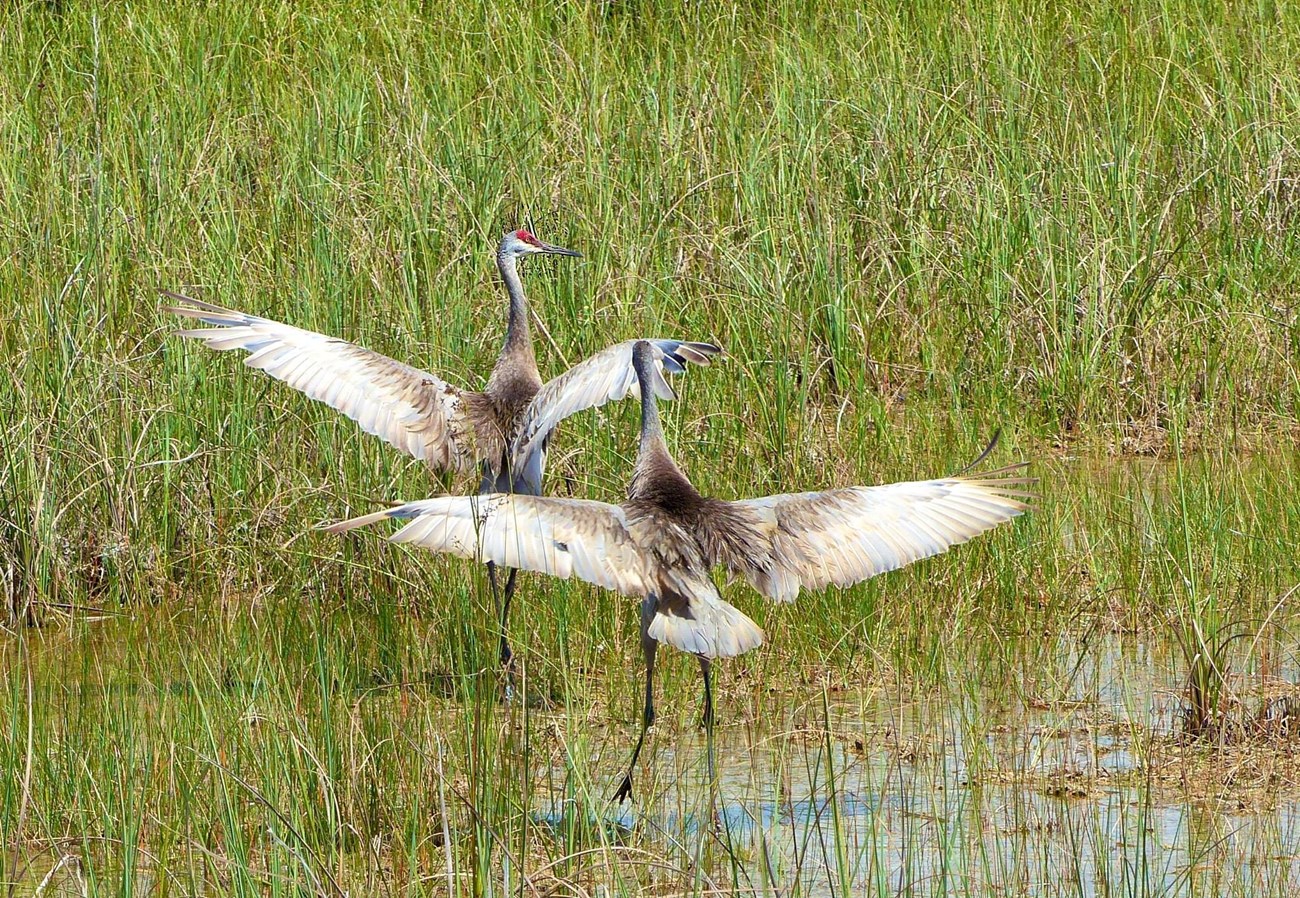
908	225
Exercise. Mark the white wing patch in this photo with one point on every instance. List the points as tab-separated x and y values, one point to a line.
844	536
607	376
560	537
410	409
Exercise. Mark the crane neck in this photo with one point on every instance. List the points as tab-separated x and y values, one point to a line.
654	463
519	342
652	431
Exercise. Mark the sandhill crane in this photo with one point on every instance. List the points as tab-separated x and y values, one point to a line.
504	430
660	544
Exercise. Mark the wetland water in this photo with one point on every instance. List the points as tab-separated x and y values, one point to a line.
1076	797
960	791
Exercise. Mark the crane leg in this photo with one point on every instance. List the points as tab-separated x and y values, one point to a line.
706	670
503	604
648	647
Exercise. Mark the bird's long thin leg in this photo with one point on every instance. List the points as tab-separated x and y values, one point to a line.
706	670
492	581
507	656
503	606
648	647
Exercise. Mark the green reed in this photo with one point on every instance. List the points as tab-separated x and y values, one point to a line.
908	225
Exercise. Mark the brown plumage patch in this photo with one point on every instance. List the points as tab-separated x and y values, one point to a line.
734	536
495	418
722	533
658	482
674	603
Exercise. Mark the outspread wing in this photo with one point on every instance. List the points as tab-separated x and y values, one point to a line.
408	408
605	377
843	536
560	537
574	538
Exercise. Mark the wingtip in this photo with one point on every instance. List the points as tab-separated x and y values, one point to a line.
688	352
1002	480
662	389
190	306
362	521
702	354
988	450
1017	491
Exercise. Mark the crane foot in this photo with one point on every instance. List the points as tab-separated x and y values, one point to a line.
625	790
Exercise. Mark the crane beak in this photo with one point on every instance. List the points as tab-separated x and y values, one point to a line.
559	250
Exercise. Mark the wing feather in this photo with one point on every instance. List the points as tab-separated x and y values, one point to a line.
605	377
844	536
560	537
574	538
408	408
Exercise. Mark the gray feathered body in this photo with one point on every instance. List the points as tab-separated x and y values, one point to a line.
498	414
662	542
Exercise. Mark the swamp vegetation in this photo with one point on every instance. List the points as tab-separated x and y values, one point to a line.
908	224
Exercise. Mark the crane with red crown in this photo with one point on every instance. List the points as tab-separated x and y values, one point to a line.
502	431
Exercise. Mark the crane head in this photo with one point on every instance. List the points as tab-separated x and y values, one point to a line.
522	243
